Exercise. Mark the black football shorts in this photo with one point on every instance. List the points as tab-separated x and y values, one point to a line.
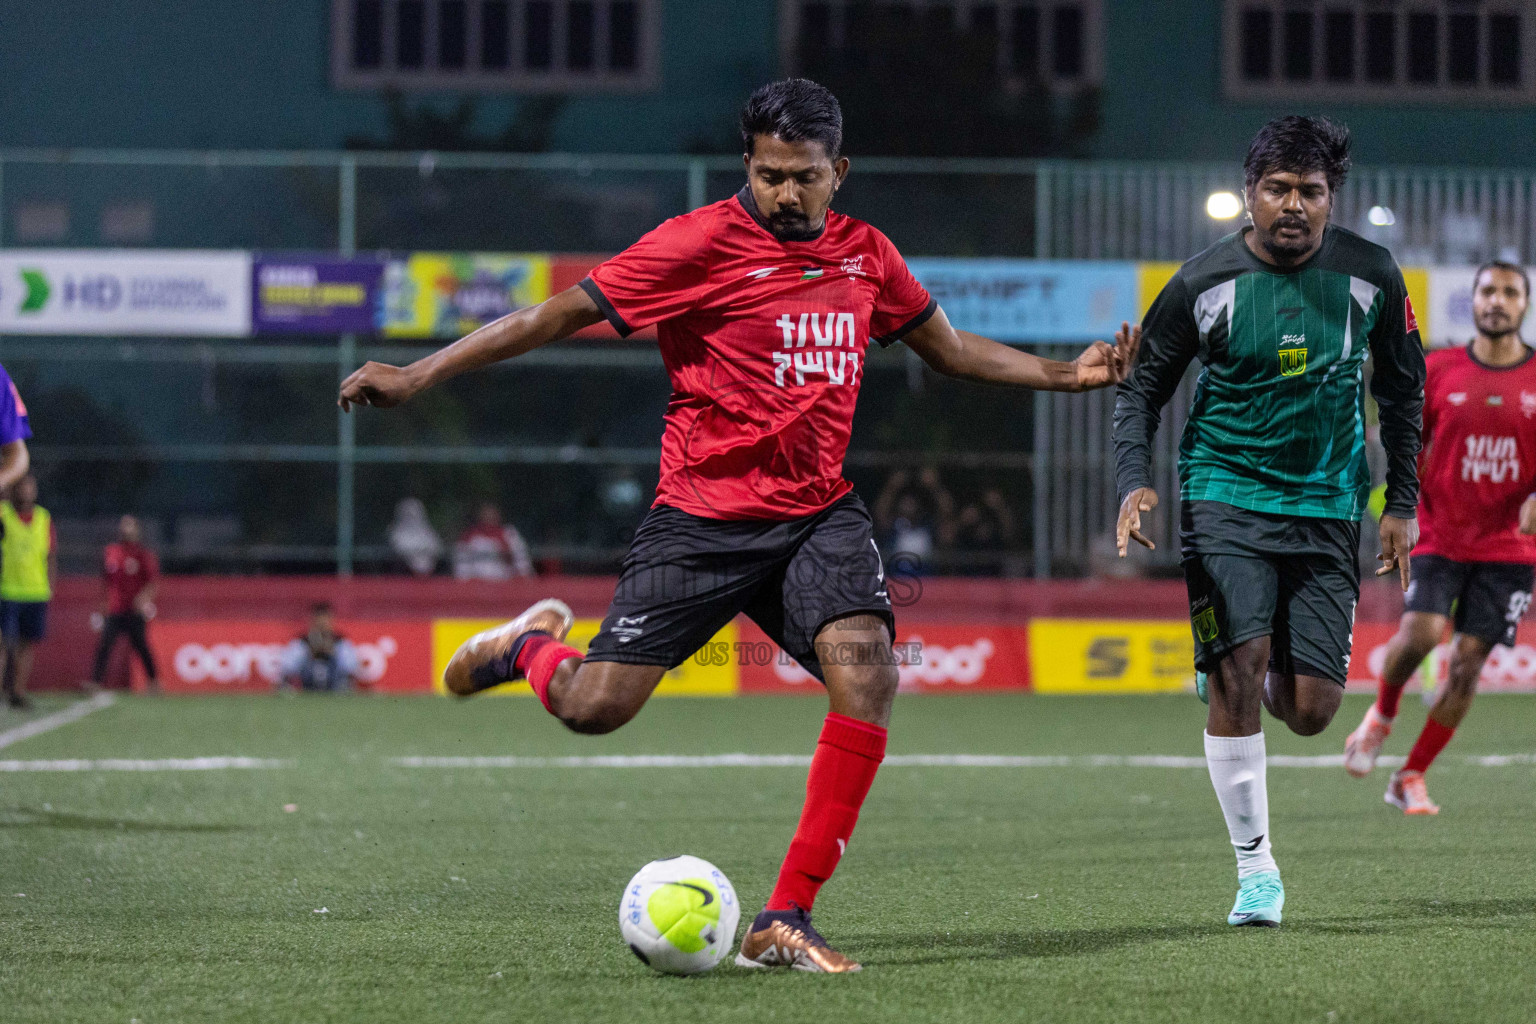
686	576
1484	599
1293	578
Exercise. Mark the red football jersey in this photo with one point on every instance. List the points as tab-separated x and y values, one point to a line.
764	342
128	569
1479	459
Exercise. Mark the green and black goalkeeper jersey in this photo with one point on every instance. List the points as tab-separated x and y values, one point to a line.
1278	420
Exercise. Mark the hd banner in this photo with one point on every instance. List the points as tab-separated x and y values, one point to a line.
1033	300
107	292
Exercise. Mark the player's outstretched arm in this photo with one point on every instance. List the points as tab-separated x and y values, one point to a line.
971	357
382	386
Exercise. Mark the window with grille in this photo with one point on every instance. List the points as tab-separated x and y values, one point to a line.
491	45
1058	42
1403	51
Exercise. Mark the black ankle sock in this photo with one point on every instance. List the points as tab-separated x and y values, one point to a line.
503	669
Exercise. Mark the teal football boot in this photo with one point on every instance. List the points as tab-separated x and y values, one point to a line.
1260	899
1200	690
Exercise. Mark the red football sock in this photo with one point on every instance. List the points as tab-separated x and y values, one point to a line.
540	655
848	754
1428	746
1387	697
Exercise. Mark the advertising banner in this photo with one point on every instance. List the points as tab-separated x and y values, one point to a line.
243	656
1507	670
447	295
1450	306
1033	300
1111	655
108	292
710	673
317	295
931	658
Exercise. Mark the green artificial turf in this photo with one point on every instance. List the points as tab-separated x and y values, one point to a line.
970	894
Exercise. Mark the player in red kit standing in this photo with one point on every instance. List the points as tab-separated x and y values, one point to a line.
130	576
764	305
1477	515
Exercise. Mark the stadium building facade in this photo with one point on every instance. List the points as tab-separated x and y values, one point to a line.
1430	85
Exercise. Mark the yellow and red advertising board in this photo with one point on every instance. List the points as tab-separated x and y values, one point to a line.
711	673
1046	655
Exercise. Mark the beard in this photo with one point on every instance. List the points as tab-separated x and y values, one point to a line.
1286	252
791	226
1496	325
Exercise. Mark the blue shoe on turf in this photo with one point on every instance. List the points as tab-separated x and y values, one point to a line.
1200	690
1259	901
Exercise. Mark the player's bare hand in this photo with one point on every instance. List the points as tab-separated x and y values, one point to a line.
1128	528
1528	516
1102	365
1398	536
379	385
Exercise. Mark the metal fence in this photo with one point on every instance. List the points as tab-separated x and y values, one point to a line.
1059	469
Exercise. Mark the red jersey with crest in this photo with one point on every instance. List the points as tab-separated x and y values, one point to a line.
764	342
1478	464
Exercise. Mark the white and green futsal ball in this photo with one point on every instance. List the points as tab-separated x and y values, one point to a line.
679	915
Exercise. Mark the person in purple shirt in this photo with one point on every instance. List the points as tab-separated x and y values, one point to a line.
14	431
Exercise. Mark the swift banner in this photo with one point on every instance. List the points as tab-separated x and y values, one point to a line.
1111	655
62	291
1033	300
317	295
447	295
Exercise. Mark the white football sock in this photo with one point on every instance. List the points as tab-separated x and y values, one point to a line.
1236	764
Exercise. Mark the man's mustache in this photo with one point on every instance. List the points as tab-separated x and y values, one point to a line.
1292	222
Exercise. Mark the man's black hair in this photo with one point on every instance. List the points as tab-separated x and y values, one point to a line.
795	110
1299	145
1513	268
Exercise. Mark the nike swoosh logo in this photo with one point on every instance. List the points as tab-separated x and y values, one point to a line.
709	897
1250	847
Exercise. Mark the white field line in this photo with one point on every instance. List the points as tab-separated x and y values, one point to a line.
47	723
163	764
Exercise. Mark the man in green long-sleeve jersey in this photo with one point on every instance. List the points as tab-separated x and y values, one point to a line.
1273	477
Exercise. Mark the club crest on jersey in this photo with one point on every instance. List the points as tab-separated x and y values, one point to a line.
854	266
1293	355
1528	404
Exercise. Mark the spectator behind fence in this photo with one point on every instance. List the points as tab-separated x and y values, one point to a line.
412	538
985	525
28	564
491	550
914	515
320	659
130	577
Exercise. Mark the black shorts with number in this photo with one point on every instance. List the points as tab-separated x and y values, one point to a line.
686	576
1293	578
1488	598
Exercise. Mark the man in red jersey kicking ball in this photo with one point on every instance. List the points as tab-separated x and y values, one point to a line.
1477	514
764	305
